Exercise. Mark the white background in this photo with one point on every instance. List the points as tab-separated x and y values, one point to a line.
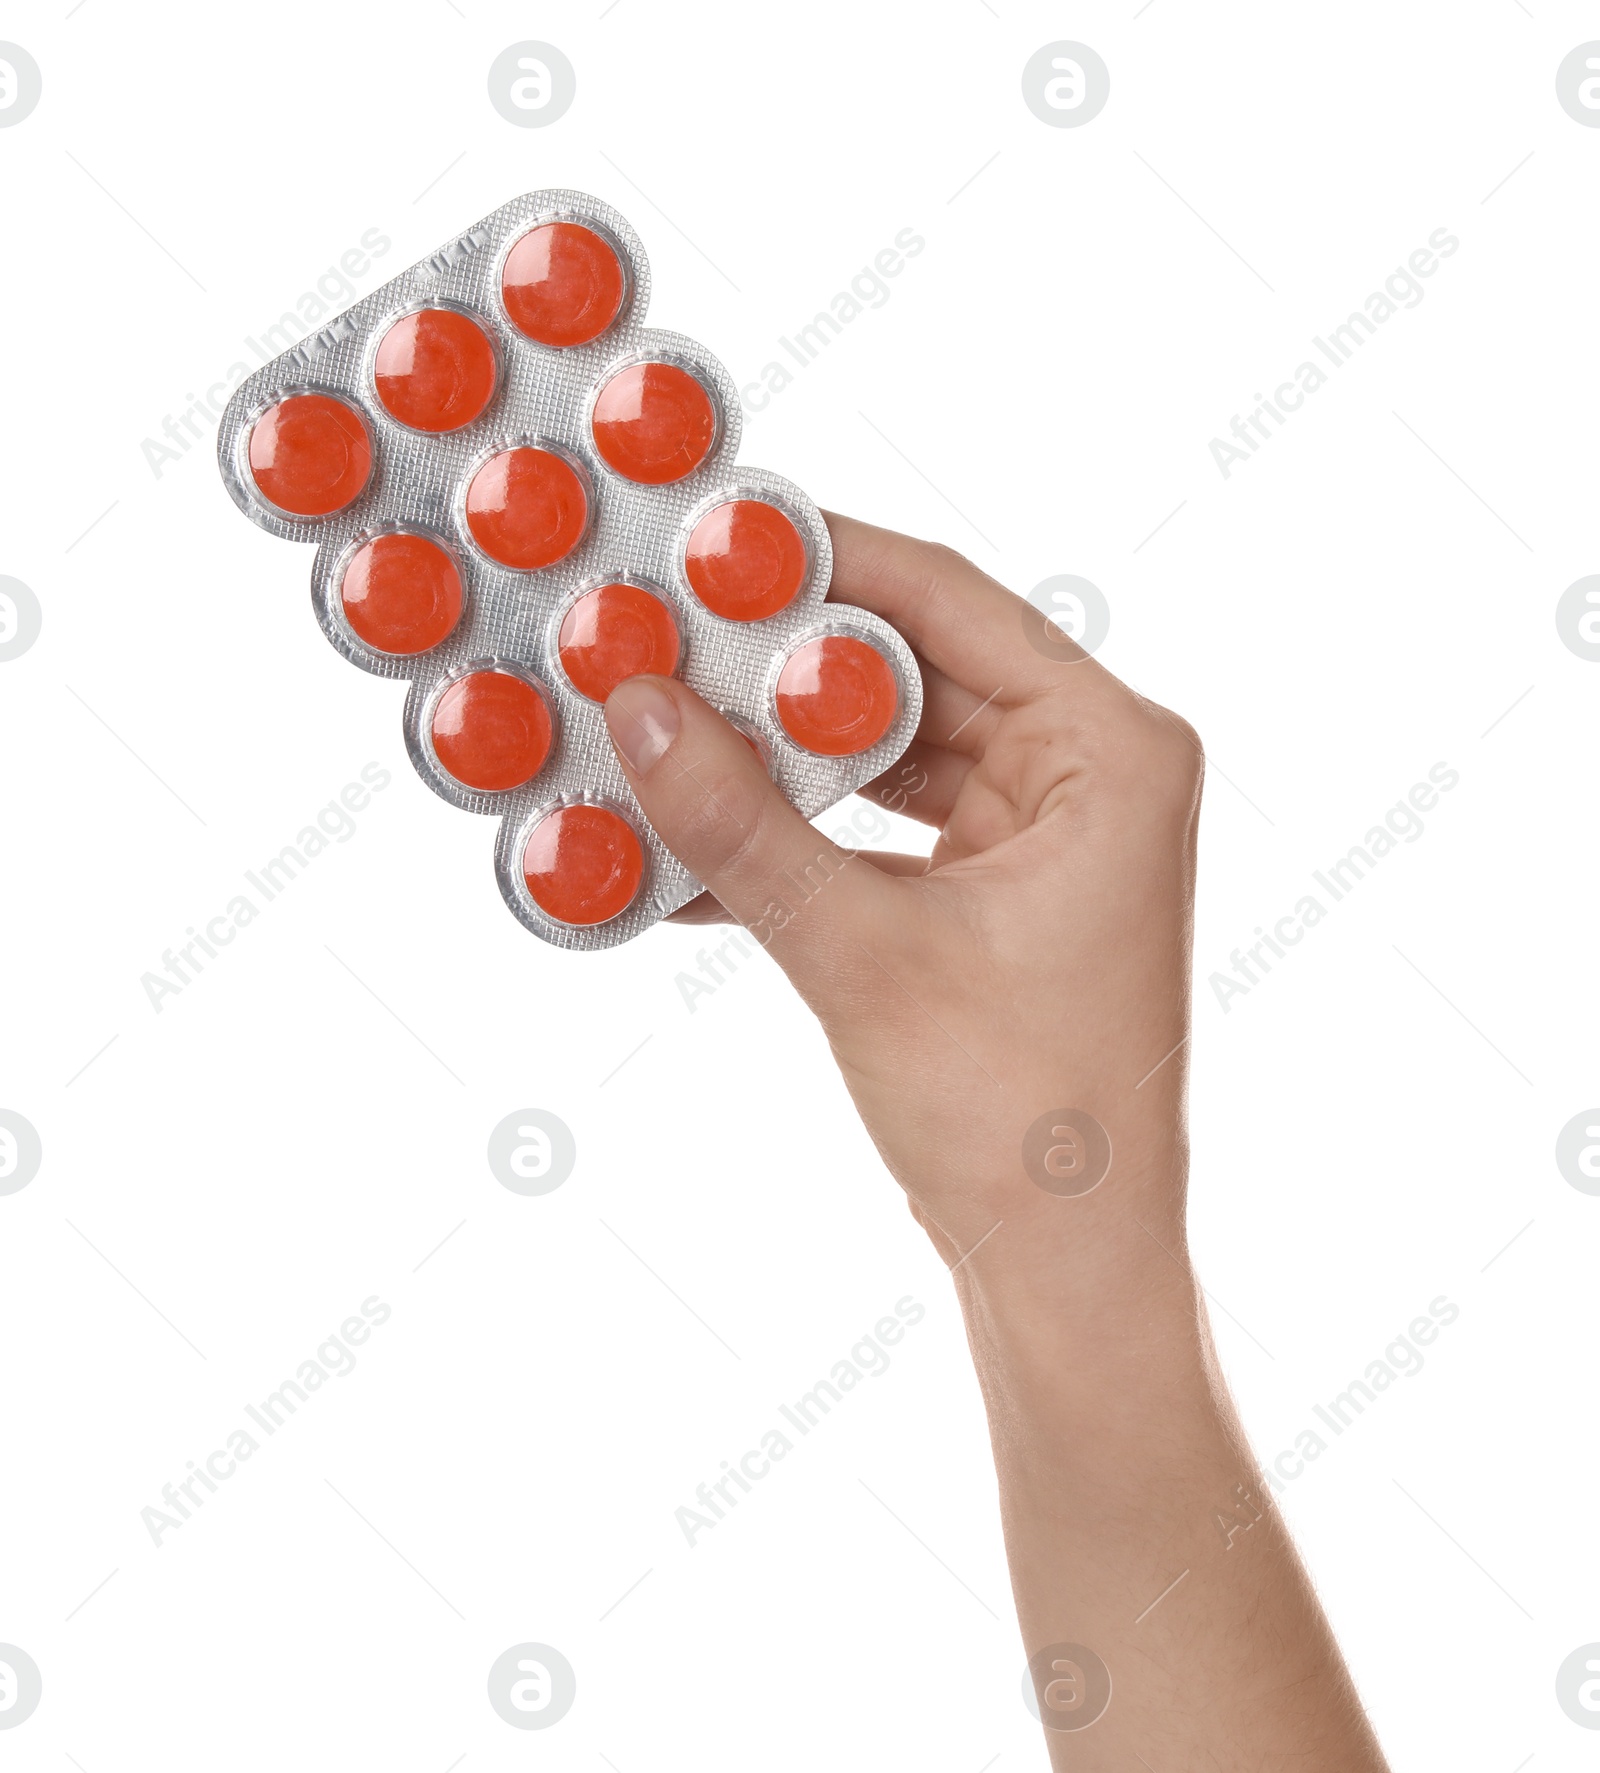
276	1145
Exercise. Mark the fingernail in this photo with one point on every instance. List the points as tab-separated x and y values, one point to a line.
642	720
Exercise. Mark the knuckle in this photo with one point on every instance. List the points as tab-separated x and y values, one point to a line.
1186	738
1175	758
943	561
1190	731
1151	754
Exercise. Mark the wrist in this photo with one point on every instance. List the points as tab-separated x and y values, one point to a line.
1101	1329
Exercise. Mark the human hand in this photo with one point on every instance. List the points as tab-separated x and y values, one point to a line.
1033	971
1037	962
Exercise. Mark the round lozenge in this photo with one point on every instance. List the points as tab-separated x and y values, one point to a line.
527	507
434	370
654	423
615	632
562	284
310	454
745	560
583	864
491	730
401	593
836	696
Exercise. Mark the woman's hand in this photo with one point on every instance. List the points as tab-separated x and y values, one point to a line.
1011	1017
1038	963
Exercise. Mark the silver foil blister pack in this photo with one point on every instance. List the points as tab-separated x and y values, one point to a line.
400	510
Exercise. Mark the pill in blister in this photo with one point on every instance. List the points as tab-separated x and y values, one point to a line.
491	730
615	632
434	370
745	560
562	284
583	864
310	454
836	696
527	507
654	423
401	593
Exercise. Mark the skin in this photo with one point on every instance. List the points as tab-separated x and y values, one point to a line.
1039	962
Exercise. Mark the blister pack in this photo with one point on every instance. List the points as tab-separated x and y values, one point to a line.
520	495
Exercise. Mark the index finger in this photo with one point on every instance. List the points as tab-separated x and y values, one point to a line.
958	618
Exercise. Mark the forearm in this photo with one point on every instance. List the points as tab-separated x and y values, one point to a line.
1010	1017
1121	1467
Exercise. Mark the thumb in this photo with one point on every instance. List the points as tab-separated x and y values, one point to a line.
714	806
